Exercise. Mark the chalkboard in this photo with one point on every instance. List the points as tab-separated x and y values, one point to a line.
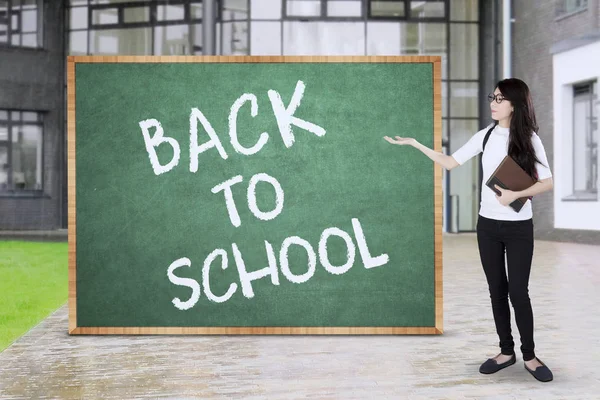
253	195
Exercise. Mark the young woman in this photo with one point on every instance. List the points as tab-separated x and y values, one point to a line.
500	229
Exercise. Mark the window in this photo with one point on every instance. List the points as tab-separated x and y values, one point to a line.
234	28
568	7
20	152
103	15
427	10
21	23
154	27
585	142
322	9
405	10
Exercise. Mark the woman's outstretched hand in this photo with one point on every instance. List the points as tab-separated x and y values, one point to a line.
401	140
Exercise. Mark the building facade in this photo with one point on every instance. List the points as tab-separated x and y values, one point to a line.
556	50
32	116
467	34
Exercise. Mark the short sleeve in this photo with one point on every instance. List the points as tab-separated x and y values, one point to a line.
543	169
470	149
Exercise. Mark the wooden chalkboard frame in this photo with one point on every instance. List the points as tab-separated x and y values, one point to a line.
437	182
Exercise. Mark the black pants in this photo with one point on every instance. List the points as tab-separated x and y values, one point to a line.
516	239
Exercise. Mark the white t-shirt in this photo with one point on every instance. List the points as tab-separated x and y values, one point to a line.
496	149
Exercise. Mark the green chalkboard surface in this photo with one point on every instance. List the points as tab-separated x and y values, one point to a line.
254	195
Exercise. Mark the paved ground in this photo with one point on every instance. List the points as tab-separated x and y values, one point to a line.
47	363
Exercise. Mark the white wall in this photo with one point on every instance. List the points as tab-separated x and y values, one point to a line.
577	65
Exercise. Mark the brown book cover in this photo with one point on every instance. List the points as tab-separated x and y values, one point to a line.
509	175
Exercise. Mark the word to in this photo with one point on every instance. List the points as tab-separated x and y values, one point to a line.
234	216
246	277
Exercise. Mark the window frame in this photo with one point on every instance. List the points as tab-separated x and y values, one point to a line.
9	123
39	32
153	22
561	10
366	12
589	194
152	6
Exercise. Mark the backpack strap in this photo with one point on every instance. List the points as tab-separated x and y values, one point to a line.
487	136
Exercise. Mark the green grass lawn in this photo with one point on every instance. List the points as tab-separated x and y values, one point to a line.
33	284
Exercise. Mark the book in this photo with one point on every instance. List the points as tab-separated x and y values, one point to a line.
509	175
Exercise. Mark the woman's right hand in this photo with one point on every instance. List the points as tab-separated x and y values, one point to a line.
401	140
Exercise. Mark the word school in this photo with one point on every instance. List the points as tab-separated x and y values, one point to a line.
247	277
284	116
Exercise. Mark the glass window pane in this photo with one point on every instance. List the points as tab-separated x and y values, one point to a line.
136	41
79	18
105	16
15	115
464	10
383	38
266	38
235	38
217	39
170	13
29	40
78	2
419	38
569	6
136	14
196	11
594	140
444	99
387	8
3	133
235	10
15	40
429	9
303	8
3	20
444	130
3	32
27	157
464	51
266	9
30	116
196	39
445	66
3	167
306	38
172	40
3	115
78	43
117	1
14	20
344	8
29	21
585	140
464	182
464	99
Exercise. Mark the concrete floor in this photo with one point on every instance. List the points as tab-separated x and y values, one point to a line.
47	363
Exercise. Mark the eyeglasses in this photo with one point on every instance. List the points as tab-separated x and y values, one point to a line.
497	97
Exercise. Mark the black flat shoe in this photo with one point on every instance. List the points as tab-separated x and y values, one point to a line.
542	374
491	366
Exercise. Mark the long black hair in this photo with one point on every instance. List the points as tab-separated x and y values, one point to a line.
522	124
